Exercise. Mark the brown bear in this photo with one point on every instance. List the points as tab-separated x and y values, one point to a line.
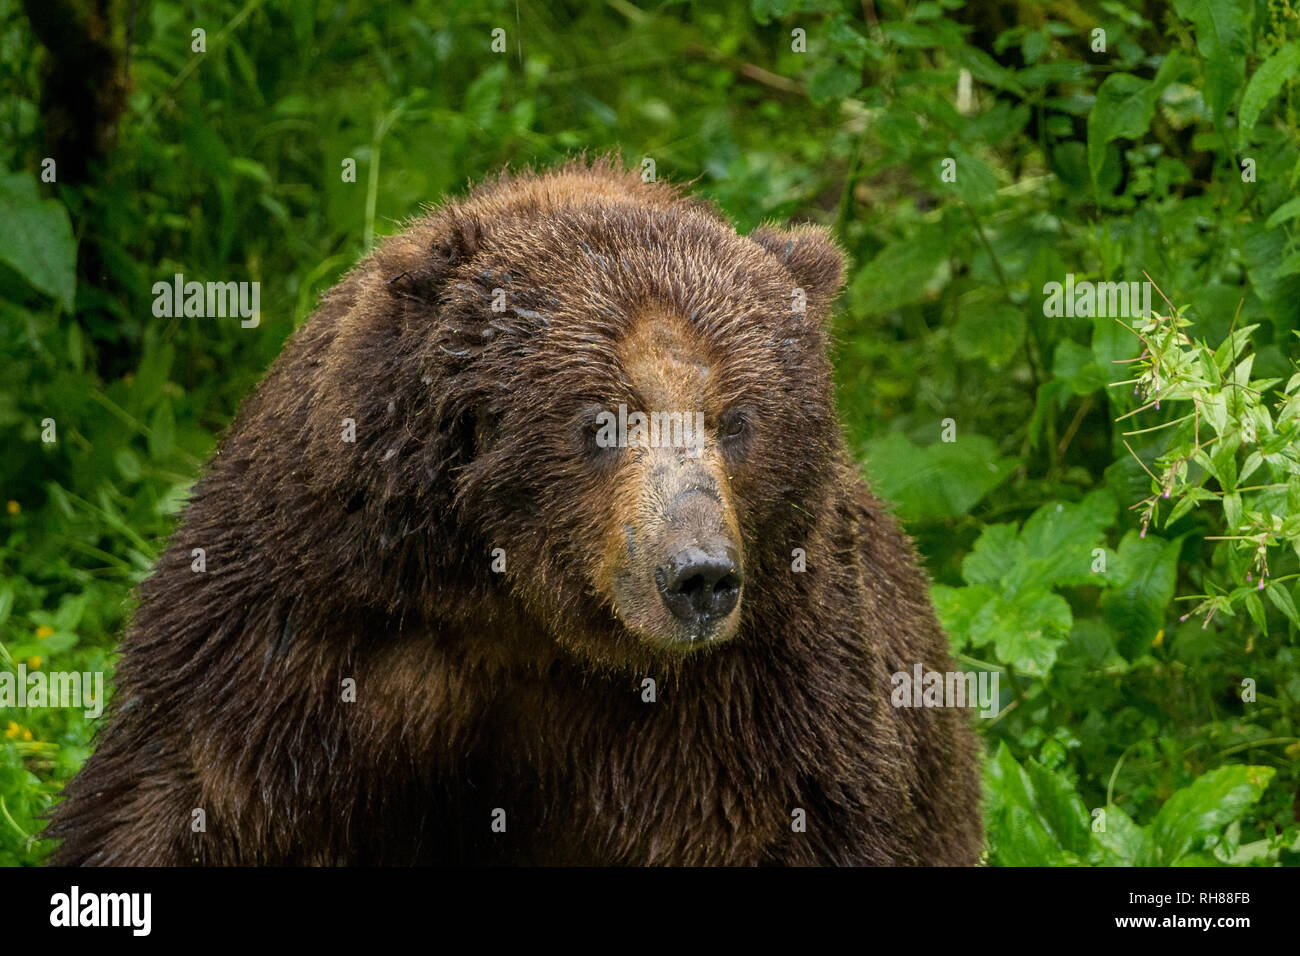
539	544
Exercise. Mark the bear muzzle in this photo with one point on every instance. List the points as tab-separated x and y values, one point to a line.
701	585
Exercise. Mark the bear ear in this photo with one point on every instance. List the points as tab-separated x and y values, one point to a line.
811	255
415	263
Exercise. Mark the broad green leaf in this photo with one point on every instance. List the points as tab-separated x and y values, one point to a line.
1059	539
989	330
942	480
900	273
1034	816
1264	84
1025	633
162	431
1124	107
37	239
1194	817
1121	843
1075	365
994	556
957	607
975	182
1223	29
765	10
1255	607
1112	342
1288	267
1060	807
834	82
1145	572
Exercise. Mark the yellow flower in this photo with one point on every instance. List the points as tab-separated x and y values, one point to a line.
1160	638
13	507
27	734
33	662
13	730
43	632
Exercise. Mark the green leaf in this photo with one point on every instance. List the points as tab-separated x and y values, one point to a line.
1053	549
1146	571
1264	84
37	239
943	480
975	181
128	464
834	82
1255	607
162	431
900	273
957	607
1289	266
765	10
985	69
1059	539
1123	109
1222	34
1232	509
1111	342
1075	365
910	34
994	556
1026	633
1121	843
989	330
1193	818
1288	210
1283	602
1035	816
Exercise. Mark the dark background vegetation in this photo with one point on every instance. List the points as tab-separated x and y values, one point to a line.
1123	735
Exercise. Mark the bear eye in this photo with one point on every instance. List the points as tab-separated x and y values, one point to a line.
734	424
597	434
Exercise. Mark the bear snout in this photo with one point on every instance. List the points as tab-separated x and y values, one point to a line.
676	565
701	585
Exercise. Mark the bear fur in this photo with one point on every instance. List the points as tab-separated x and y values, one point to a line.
434	644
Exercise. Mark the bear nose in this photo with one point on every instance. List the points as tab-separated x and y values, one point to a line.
700	585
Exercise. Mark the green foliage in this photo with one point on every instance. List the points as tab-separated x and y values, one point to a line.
1011	575
1039	820
1231	440
967	154
38	244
